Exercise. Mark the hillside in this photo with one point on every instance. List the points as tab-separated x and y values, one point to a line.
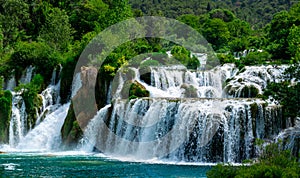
257	13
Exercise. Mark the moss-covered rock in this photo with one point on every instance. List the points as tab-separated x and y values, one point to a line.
66	79
71	131
190	91
138	90
5	114
249	92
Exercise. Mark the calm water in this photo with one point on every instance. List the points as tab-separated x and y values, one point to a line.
68	165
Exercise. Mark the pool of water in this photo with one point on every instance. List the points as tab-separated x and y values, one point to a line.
68	164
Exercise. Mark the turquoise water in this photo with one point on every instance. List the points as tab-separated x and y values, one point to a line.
61	165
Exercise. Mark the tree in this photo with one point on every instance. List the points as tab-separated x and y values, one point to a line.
14	15
57	31
85	16
216	32
294	41
118	10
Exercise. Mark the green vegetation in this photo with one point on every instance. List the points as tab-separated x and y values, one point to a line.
71	131
138	90
5	113
273	162
287	93
184	57
257	13
31	98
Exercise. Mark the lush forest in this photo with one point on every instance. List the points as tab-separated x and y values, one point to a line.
50	33
257	13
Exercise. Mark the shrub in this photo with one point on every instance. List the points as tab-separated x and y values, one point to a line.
5	113
274	162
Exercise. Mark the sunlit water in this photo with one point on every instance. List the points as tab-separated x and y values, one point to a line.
74	164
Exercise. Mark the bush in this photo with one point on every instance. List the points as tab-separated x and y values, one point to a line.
184	57
225	58
138	90
149	63
274	162
5	114
31	98
38	54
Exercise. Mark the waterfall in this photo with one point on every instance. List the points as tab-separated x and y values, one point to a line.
18	120
27	75
253	79
200	130
176	81
211	125
50	116
45	136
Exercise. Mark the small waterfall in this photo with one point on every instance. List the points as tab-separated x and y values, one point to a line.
202	58
253	79
90	136
18	133
177	81
10	84
27	75
46	136
76	84
18	120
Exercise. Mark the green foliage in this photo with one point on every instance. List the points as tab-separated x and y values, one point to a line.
294	42
31	98
138	90
184	57
287	94
225	58
274	162
14	16
118	10
57	31
223	14
216	32
256	58
149	63
38	54
5	113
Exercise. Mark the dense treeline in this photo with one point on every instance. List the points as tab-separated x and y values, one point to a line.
257	13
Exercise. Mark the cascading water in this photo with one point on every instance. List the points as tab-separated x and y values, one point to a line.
254	79
198	130
18	120
50	117
45	136
204	128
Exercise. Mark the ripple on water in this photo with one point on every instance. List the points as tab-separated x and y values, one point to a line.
10	166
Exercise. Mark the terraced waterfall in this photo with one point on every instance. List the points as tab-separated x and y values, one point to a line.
190	115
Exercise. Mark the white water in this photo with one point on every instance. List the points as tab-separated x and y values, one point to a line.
159	128
50	117
17	125
173	129
256	76
45	136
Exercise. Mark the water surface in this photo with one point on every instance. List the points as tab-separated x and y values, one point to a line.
66	164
